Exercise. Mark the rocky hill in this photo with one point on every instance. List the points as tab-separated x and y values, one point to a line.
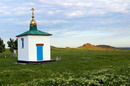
105	46
96	47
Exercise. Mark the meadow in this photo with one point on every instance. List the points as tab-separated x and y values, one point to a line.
77	67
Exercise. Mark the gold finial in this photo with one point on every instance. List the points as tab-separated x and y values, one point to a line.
33	22
33	12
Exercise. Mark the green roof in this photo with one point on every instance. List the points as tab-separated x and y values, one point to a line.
33	31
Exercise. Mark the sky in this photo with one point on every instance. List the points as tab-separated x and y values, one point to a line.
72	22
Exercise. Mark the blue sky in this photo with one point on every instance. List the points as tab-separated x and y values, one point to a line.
72	22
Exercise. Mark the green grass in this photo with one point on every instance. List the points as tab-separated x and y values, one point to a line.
77	67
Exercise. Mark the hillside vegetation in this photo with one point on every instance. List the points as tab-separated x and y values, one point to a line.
96	47
77	67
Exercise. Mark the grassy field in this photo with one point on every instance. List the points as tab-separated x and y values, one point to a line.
78	67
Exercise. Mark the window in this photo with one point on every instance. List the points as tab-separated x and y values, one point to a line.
22	40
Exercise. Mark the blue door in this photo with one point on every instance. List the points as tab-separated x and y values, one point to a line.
39	52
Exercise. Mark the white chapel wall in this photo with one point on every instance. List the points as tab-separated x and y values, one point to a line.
33	40
23	52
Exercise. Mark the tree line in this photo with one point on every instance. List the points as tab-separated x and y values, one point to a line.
12	44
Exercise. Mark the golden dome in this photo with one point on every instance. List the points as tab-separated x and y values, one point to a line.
33	22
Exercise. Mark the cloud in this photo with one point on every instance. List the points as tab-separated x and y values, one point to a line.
15	8
69	8
67	3
75	14
26	22
52	21
52	12
71	33
76	8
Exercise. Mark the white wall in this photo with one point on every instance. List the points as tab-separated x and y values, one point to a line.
23	52
32	41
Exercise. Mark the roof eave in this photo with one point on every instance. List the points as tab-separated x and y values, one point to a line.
34	35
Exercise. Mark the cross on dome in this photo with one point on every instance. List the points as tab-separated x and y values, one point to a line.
33	12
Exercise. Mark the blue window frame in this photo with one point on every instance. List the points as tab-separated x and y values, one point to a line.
22	40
